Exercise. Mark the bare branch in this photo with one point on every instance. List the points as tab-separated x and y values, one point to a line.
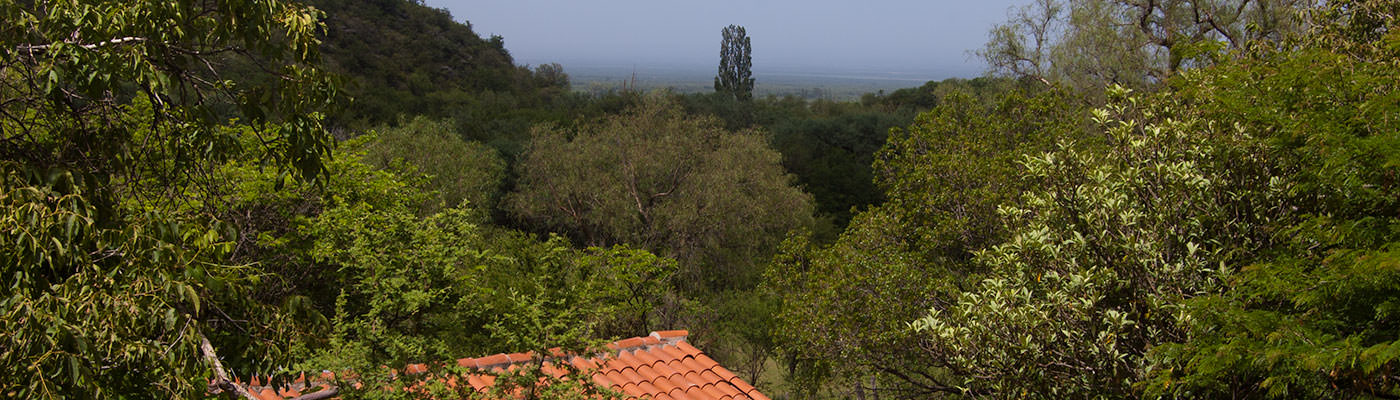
221	380
90	46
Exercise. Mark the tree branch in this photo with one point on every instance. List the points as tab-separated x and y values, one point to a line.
321	395
221	381
90	46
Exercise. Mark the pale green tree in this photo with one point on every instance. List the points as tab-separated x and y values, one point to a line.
1135	43
1102	251
458	170
845	307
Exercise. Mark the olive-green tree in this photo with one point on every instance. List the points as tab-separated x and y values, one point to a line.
458	170
654	178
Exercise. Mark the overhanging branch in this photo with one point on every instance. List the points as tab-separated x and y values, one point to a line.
89	46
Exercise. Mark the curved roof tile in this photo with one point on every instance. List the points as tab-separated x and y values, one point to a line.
660	366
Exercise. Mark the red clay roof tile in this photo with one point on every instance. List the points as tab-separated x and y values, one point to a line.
648	372
476	381
583	364
696	392
614	364
631	375
647	357
744	386
521	357
665	371
551	370
723	373
629	359
615	377
691	364
703	359
668	352
711	392
631	342
646	388
688	349
661	366
556	352
670	334
488	361
728	390
711	376
664	385
691	376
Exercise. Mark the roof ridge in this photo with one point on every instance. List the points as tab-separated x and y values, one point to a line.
615	348
505	360
659	366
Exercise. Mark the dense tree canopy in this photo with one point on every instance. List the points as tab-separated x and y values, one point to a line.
941	206
655	178
459	170
112	113
1227	236
1102	249
1313	317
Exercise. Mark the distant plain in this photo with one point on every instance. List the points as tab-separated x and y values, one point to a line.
838	84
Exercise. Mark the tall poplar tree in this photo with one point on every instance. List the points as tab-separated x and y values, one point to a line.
735	75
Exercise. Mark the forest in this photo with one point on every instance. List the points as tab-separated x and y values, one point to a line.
1140	199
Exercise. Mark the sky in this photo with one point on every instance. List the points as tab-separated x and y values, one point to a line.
932	37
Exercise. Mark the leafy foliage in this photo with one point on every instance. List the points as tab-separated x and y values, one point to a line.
1313	318
459	170
831	155
659	180
944	177
402	57
434	288
629	284
111	115
1102	250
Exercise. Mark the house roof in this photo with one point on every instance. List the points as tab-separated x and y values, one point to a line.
660	366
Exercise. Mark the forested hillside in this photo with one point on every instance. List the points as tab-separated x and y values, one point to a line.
1164	199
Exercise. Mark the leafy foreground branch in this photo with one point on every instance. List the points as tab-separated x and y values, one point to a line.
108	119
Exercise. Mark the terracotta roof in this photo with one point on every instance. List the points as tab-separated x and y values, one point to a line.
660	366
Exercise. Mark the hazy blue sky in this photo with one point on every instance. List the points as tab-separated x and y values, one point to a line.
927	36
